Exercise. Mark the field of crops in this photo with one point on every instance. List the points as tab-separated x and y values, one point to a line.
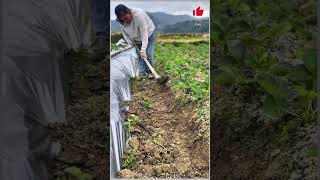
167	123
187	64
264	89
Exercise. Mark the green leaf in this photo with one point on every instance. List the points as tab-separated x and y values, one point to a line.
307	95
261	60
274	108
289	5
225	60
227	75
130	160
310	61
276	87
244	7
132	120
238	26
281	28
77	174
233	3
217	26
180	85
312	152
249	39
299	73
237	49
306	73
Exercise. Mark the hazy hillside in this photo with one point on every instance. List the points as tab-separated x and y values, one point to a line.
163	19
160	19
194	26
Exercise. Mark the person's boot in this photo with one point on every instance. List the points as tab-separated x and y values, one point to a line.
150	76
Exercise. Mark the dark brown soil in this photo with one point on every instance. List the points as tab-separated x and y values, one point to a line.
167	138
84	139
243	146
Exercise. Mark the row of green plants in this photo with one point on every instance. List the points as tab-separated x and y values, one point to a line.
244	32
261	21
279	81
187	65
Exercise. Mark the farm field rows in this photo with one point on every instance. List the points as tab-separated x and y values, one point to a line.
167	123
264	89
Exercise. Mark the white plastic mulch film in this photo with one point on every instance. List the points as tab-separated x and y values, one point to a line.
124	67
36	34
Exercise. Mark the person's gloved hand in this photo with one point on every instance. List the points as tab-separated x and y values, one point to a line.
121	42
143	54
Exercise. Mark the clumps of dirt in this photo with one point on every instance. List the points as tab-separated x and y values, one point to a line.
84	140
244	146
166	141
286	46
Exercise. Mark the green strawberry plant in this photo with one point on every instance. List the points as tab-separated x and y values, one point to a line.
129	159
305	76
74	173
277	94
132	120
259	67
308	97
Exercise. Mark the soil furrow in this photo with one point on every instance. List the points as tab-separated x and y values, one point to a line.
165	145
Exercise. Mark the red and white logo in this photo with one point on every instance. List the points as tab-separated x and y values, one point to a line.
198	12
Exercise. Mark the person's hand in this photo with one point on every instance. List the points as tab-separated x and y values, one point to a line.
143	54
121	42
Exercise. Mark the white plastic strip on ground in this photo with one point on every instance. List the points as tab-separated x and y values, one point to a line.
124	67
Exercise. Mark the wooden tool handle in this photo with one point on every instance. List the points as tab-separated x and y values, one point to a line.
156	75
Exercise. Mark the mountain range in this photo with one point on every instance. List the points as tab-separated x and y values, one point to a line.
169	23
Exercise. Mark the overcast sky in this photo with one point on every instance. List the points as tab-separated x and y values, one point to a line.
170	7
